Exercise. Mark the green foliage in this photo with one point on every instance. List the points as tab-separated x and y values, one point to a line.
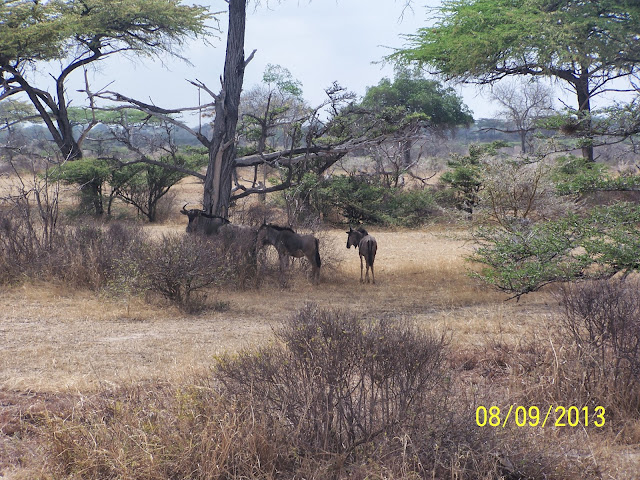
599	244
141	185
575	176
283	80
126	116
77	33
365	200
586	44
89	174
15	111
411	97
465	175
272	113
82	171
487	39
33	31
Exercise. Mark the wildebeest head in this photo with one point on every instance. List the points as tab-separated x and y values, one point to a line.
201	222
354	236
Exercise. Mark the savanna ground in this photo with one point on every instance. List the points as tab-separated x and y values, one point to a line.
61	347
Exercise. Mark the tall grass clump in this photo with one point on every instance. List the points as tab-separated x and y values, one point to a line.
152	431
84	254
88	254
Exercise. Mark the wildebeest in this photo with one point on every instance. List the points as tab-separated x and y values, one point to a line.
201	222
238	241
291	244
367	247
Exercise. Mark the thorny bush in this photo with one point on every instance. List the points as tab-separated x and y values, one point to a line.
340	381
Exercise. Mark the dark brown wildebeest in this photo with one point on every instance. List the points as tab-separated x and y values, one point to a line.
238	241
291	244
201	222
367	247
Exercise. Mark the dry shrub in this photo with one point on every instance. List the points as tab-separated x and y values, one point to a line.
179	267
82	255
364	399
254	214
601	322
339	381
19	251
518	189
88	254
237	247
120	258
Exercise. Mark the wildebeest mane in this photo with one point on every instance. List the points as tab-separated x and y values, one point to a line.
279	228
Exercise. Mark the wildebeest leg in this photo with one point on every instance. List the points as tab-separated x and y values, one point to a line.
373	277
284	262
315	270
361	267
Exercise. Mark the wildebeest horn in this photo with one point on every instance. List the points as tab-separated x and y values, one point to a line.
184	209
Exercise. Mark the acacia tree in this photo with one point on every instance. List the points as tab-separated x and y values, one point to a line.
78	33
587	45
221	146
14	112
324	142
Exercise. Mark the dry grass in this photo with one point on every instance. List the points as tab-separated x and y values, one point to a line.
58	340
75	342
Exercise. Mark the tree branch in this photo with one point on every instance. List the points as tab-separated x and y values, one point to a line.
159	112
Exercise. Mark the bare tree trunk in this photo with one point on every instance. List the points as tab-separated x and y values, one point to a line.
222	152
584	116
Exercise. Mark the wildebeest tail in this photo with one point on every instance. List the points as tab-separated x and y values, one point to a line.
318	262
371	252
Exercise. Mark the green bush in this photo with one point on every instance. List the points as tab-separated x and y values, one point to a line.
363	199
599	244
576	175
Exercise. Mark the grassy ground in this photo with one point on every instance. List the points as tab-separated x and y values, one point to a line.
58	343
59	340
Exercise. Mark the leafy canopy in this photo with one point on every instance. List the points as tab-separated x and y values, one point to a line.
412	96
485	40
35	31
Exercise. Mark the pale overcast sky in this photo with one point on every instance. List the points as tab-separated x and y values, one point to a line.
319	41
